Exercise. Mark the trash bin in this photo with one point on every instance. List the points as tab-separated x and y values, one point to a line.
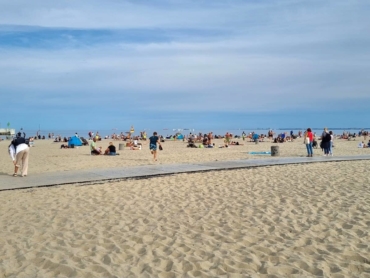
121	147
274	150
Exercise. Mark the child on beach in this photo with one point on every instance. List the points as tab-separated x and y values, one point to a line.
153	141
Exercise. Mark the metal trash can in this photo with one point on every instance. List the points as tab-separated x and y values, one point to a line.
121	147
275	151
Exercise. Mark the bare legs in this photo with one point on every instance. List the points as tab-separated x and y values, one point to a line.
154	153
21	159
15	169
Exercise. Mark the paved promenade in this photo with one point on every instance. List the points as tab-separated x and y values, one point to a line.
8	182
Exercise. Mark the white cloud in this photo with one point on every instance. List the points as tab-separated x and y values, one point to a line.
234	15
267	56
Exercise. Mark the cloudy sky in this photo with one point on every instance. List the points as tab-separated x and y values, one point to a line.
174	63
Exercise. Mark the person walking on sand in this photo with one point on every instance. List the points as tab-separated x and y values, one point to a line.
19	151
153	141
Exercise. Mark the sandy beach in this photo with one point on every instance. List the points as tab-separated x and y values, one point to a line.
308	220
47	156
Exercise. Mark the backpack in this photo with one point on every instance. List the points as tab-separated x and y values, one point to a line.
17	141
327	137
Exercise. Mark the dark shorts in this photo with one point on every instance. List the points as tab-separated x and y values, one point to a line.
153	147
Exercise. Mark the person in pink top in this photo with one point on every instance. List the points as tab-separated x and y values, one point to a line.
308	139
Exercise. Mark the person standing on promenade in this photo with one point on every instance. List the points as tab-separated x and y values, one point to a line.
325	141
153	141
19	152
331	143
308	139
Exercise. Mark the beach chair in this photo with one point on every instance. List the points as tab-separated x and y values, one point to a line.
84	141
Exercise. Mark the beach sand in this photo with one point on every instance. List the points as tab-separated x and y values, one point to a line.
47	156
307	220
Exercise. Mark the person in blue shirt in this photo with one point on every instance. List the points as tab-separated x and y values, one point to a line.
153	141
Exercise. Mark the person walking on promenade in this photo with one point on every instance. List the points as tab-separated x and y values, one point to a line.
153	141
308	139
19	152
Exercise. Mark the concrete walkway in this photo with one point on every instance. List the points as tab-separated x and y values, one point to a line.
8	182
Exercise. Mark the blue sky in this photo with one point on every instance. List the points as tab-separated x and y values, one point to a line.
172	63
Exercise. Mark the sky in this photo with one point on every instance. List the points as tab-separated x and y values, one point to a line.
102	64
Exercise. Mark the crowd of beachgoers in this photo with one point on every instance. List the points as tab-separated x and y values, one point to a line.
271	135
205	139
130	141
